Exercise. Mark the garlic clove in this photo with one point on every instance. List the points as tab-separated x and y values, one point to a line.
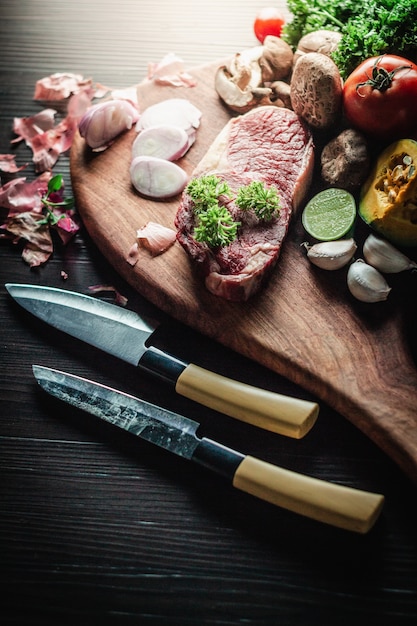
331	255
385	257
366	283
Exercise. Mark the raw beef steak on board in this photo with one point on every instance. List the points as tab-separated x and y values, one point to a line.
268	144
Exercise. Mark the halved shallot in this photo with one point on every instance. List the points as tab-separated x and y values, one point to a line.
103	122
174	111
155	237
165	142
157	178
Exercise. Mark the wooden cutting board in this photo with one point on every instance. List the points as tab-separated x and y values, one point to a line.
304	324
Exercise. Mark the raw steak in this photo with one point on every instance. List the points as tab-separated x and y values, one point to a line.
270	144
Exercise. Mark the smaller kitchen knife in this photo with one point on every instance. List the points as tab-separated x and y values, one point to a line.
124	334
340	506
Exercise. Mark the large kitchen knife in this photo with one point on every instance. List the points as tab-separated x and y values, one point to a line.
340	506
124	334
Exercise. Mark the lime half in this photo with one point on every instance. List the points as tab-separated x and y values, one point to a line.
330	214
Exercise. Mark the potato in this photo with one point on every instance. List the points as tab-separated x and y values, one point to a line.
316	90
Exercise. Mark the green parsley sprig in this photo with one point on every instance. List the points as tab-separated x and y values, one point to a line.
205	192
214	223
263	201
216	227
369	27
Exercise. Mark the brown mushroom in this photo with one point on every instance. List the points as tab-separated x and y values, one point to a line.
281	94
240	84
345	160
276	60
238	98
316	90
323	41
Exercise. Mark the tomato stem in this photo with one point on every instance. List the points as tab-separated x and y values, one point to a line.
381	78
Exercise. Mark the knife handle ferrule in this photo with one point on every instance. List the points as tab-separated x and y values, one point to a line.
163	365
218	458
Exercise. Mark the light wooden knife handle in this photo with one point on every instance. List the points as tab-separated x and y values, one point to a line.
272	411
344	507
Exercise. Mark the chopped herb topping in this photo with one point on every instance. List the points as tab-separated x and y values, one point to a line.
214	223
263	201
205	192
216	227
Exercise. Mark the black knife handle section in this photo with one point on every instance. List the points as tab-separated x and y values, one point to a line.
163	365
217	458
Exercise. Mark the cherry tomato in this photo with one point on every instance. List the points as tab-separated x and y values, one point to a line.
380	97
269	21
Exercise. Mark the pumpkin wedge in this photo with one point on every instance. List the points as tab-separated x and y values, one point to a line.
388	198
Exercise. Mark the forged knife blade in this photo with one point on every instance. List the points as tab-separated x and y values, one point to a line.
337	505
125	335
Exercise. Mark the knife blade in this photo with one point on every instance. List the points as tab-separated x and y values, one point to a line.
126	335
344	507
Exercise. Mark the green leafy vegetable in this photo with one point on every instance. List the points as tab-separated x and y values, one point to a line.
216	227
205	191
214	223
54	199
55	184
369	27
263	201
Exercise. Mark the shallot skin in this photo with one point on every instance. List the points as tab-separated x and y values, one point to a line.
156	238
165	142
157	178
103	122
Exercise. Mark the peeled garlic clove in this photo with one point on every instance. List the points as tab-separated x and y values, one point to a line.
331	255
385	257
366	283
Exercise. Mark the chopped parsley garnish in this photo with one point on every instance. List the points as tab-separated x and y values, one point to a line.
214	223
263	201
216	227
205	192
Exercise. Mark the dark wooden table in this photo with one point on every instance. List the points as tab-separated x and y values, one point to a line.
97	527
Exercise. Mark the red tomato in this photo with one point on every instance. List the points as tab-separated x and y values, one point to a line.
380	97
269	21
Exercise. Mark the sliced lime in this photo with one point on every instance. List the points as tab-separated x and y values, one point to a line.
330	214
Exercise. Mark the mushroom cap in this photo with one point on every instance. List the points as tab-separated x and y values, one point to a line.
239	84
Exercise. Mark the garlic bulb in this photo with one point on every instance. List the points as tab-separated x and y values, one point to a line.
366	283
331	255
385	257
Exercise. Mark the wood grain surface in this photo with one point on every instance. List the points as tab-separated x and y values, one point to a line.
358	358
97	527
